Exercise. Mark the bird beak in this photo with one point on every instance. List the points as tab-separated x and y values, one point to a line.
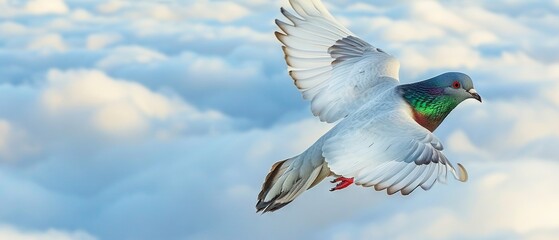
474	94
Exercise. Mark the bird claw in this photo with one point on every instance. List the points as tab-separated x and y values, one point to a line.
343	183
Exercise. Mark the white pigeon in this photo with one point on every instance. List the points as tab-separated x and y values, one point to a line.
384	139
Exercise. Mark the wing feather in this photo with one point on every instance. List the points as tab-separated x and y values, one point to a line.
408	180
388	152
331	66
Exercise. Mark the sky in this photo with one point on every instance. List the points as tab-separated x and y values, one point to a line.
127	119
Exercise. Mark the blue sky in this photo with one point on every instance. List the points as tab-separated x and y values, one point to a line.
159	120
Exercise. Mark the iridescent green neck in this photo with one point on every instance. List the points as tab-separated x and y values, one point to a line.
429	105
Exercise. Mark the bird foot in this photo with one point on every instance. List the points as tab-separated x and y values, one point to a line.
343	183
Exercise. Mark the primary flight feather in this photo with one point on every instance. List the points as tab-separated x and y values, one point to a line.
384	137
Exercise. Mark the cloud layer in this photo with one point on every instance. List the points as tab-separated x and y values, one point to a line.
159	120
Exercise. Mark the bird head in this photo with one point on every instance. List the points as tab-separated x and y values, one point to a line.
457	85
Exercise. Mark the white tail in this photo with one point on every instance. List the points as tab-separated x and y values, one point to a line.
289	178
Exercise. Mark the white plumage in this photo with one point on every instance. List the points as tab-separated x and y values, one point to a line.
377	142
330	65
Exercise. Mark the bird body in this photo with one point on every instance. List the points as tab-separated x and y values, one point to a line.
384	135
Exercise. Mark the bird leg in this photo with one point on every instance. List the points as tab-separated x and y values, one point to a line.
343	183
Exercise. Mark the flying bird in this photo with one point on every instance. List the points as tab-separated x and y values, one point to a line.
383	138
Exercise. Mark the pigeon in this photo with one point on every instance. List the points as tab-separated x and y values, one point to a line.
384	133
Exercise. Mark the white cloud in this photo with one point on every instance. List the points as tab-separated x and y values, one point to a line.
363	7
435	13
81	15
163	12
506	67
46	7
213	33
518	66
551	94
495	200
459	142
126	55
9	232
14	142
466	18
12	28
214	10
6	10
501	130
524	122
505	198
5	135
61	25
404	31
543	235
111	6
479	37
494	22
97	41
119	107
119	139
302	134
451	55
48	43
213	69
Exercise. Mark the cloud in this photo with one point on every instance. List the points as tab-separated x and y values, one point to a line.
210	32
98	41
435	13
459	142
33	8
48	43
363	7
46	7
510	128
125	55
155	180
115	117
456	22
81	15
209	71
5	139
522	67
163	12
403	31
213	10
447	56
551	94
516	66
111	6
489	207
14	142
9	232
200	10
466	18
119	107
12	28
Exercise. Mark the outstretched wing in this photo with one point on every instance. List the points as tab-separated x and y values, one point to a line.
390	152
332	67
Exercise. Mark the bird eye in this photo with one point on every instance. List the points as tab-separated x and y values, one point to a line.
456	85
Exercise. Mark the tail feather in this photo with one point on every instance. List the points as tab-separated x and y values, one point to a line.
270	178
286	180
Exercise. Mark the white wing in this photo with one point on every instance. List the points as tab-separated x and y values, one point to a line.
332	67
388	151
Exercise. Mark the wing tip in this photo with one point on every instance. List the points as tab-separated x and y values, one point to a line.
281	37
289	15
295	80
282	25
462	173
